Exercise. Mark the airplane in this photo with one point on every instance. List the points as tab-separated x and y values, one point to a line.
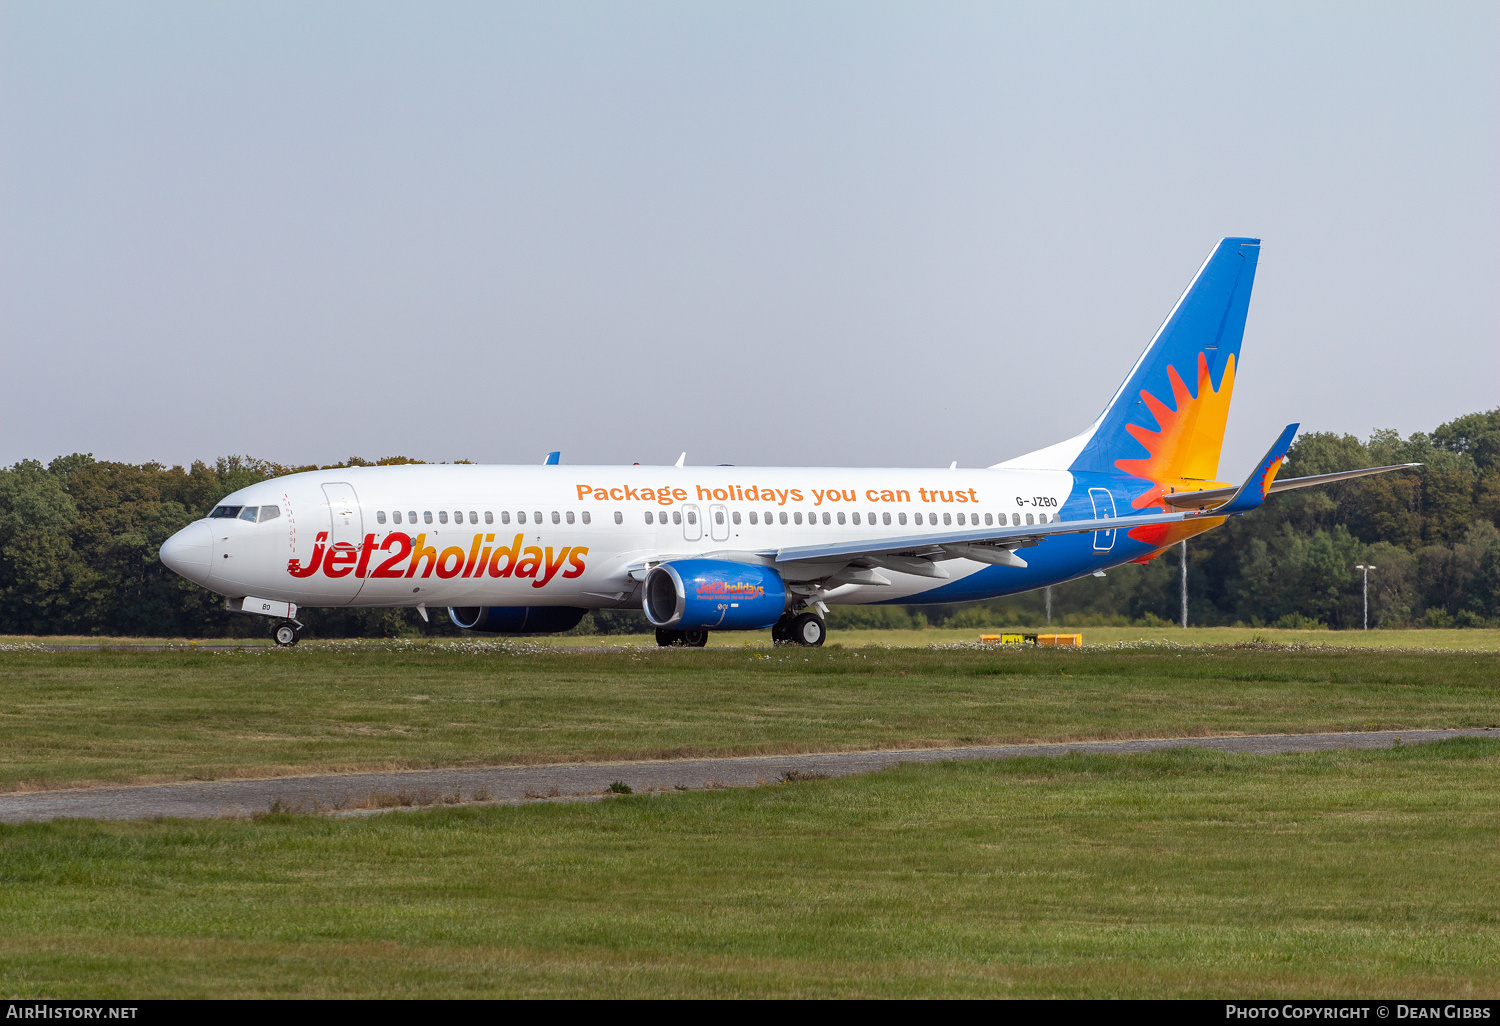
532	549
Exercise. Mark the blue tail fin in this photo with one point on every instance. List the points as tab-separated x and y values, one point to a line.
1166	422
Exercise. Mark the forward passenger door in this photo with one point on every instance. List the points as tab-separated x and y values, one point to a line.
346	530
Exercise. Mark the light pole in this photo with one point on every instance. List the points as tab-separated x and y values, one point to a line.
1366	569
1183	561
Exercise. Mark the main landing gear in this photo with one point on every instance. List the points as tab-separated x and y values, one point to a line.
803	629
287	633
681	639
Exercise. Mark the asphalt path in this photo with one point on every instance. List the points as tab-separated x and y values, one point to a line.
362	793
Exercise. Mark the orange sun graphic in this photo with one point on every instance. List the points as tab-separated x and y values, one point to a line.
1184	452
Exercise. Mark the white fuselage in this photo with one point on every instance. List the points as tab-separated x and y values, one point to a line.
463	535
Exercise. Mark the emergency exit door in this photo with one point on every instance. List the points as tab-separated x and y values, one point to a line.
692	523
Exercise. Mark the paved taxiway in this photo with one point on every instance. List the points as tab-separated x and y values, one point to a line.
357	791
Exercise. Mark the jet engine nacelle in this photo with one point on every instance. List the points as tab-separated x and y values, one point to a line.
713	594
516	619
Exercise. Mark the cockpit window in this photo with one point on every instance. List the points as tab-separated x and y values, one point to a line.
269	513
229	512
248	513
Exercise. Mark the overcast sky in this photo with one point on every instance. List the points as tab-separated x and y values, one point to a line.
803	233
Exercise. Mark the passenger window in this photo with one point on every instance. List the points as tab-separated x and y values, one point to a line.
536	515
771	518
505	516
989	519
901	517
473	517
411	516
735	516
886	519
380	516
269	513
585	516
570	516
442	516
521	516
649	518
754	518
677	517
1028	518
796	518
427	516
841	517
719	516
856	520
692	517
249	512
556	519
961	520
947	520
396	516
1015	520
827	519
619	517
489	518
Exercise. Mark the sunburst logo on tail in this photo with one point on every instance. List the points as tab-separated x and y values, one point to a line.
1190	433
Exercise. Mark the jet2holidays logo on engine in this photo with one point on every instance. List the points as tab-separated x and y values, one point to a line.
406	555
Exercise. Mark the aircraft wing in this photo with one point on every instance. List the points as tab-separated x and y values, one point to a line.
974	543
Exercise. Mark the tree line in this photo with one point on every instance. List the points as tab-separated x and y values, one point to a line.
79	540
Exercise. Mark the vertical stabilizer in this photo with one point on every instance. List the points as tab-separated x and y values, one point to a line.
1166	422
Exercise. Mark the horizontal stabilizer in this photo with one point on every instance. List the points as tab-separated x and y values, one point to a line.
1214	496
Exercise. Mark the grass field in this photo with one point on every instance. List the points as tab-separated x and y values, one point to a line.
79	717
1486	640
1188	872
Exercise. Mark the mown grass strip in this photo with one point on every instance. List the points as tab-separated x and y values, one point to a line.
1187	872
67	718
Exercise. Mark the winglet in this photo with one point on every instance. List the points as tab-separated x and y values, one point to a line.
553	459
1254	491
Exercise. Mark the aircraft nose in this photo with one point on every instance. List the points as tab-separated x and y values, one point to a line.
189	552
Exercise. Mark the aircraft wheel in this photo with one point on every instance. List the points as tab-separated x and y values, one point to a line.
808	630
668	639
781	630
287	634
695	639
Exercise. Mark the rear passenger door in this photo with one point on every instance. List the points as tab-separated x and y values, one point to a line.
1104	509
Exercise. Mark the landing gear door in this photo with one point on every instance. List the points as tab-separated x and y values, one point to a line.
692	522
1104	509
346	529
718	523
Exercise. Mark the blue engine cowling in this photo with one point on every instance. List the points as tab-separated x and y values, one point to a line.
716	594
516	619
